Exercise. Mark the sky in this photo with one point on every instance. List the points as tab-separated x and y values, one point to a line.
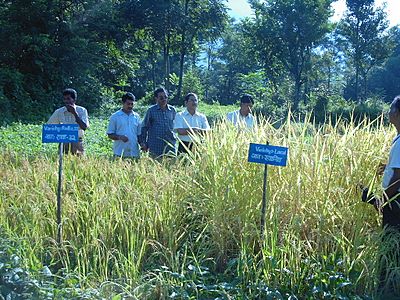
241	8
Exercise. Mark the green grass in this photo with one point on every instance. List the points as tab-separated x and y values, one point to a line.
188	228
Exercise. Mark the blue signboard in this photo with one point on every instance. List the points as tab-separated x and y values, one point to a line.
60	133
268	155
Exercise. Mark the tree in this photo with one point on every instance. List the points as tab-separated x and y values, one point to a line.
50	45
286	32
200	20
228	58
365	40
385	80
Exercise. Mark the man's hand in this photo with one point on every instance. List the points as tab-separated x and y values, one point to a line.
71	109
364	193
380	169
368	197
144	147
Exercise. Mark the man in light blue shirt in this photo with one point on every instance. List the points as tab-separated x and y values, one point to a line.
243	118
124	128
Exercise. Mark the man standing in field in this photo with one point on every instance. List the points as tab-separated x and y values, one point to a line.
389	205
124	128
243	118
71	114
158	135
189	122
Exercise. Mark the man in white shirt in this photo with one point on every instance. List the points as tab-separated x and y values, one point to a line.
189	123
124	128
390	203
243	117
71	114
389	206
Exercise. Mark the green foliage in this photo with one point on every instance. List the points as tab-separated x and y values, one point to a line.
335	107
36	282
282	55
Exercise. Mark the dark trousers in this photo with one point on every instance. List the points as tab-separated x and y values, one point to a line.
389	264
389	256
185	147
389	250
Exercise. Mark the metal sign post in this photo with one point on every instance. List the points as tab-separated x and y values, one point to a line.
264	201
60	133
267	155
59	188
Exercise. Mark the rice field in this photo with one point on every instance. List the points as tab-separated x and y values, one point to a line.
189	227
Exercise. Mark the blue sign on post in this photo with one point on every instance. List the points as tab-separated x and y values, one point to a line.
268	155
60	133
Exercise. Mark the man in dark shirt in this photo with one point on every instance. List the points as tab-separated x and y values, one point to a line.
158	135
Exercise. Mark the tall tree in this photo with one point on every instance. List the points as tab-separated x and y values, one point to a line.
199	20
365	40
287	31
385	80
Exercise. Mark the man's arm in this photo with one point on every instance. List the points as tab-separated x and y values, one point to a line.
187	131
394	185
83	124
145	125
389	193
182	127
116	137
112	129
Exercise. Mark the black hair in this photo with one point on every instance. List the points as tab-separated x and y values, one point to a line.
189	95
246	98
128	96
70	92
160	90
396	102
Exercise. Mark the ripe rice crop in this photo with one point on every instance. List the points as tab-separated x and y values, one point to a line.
188	227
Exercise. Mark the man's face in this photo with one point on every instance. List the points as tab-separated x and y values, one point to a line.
162	99
245	108
68	100
394	114
191	103
128	105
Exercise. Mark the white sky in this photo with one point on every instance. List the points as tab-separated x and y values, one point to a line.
241	8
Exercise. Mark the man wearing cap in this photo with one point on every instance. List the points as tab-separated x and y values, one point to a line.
243	117
124	128
71	114
189	123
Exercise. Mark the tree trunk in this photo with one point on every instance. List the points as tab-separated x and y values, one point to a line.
358	100
181	63
182	56
297	93
153	66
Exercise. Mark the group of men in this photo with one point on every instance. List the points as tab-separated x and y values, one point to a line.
160	131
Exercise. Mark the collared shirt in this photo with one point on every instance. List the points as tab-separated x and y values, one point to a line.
185	120
158	130
129	125
63	116
240	121
393	163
